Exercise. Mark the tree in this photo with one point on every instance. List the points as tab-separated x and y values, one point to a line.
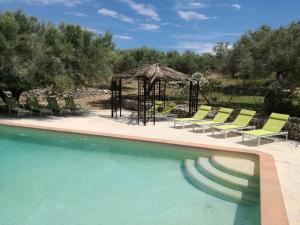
24	62
34	55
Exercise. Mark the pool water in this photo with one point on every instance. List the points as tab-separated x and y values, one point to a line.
54	178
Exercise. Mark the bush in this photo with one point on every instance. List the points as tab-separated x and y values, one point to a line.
278	100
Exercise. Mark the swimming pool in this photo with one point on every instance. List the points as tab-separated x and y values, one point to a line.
60	178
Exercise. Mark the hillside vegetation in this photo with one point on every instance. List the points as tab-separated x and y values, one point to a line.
35	54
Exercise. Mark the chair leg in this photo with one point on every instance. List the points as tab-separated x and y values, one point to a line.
258	142
286	137
225	134
243	137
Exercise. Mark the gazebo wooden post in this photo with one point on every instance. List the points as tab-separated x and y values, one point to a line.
120	96
139	106
112	98
153	102
190	99
197	101
159	91
165	90
194	97
145	101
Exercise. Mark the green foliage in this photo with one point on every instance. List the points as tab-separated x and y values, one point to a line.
34	55
278	100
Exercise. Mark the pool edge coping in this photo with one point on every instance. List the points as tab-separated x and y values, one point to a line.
272	207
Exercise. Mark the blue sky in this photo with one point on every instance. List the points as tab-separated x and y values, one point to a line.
164	24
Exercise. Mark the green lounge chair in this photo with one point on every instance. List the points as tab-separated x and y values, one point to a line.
272	128
153	108
166	112
13	106
53	105
70	104
240	123
219	119
198	116
34	106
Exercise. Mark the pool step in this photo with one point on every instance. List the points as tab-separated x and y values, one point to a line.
211	187
237	167
205	166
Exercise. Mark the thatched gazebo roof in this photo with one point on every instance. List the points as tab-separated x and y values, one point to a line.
153	72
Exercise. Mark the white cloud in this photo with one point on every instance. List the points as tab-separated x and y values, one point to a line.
236	6
191	15
189	4
94	30
115	15
123	37
148	26
69	3
205	37
79	14
145	10
198	47
197	4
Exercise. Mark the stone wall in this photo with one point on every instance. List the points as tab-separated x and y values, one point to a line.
77	93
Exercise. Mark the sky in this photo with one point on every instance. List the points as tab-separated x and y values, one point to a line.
164	24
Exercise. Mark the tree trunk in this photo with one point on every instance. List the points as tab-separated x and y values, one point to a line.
16	94
3	96
205	97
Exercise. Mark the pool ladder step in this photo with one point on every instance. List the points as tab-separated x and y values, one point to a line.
205	166
209	179
221	163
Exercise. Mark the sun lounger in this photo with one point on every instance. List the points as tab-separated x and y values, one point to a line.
219	119
13	106
273	127
198	116
34	106
240	123
166	112
53	105
70	104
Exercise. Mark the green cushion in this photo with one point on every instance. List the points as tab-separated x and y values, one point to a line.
205	107
199	115
244	118
227	127
168	109
208	122
222	115
259	132
276	122
225	110
20	110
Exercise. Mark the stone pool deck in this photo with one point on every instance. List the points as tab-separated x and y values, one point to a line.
286	154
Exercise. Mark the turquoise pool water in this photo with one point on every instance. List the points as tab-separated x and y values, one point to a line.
49	178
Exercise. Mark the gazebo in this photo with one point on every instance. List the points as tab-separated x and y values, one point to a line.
152	82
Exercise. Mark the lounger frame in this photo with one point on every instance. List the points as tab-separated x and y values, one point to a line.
187	122
205	126
235	130
285	133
